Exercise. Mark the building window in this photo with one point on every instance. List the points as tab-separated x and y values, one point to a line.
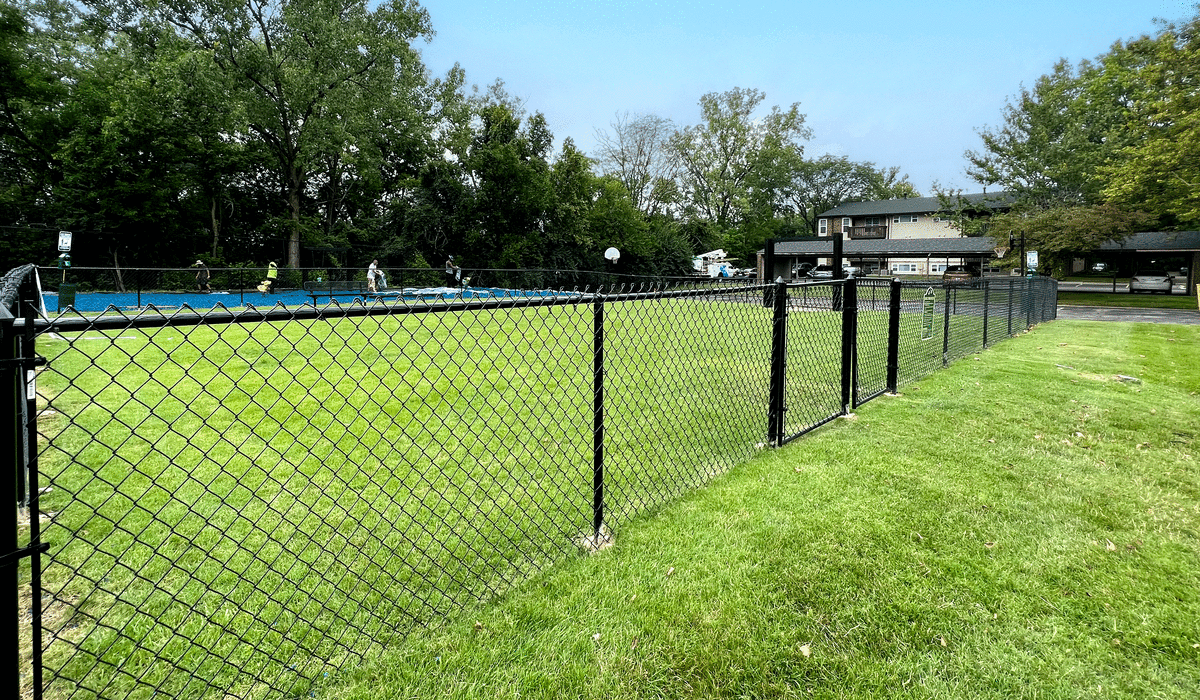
846	224
872	221
904	267
905	219
935	268
823	227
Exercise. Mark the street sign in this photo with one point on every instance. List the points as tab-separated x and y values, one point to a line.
1031	259
64	241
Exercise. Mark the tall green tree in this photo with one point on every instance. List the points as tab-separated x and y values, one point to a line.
638	154
822	184
725	156
509	173
1158	168
310	78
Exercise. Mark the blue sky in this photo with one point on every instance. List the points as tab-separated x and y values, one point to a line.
895	83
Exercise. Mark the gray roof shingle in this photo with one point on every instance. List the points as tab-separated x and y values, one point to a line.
916	205
1158	240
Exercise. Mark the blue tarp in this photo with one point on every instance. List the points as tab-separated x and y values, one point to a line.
90	302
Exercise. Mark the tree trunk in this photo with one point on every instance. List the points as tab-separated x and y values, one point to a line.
216	227
117	270
293	249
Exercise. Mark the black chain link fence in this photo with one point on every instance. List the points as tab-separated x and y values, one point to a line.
240	503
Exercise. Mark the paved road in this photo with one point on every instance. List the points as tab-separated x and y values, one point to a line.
1101	313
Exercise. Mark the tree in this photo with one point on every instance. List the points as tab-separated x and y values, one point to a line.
719	158
1059	233
311	77
638	154
822	184
41	65
509	173
1039	152
1159	167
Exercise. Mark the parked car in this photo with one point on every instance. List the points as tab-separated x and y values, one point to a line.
1150	281
802	269
958	273
1100	267
826	272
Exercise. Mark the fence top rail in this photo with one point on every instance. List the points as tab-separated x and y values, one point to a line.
10	286
152	317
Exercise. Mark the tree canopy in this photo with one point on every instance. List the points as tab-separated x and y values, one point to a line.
1100	150
240	132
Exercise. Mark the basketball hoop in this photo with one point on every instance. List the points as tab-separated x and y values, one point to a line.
1000	251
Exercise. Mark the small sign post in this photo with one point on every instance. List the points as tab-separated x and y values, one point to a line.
1031	260
66	292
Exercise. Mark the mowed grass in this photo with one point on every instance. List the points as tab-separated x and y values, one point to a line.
1024	524
1126	300
250	506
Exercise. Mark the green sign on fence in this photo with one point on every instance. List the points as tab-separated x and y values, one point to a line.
927	314
66	296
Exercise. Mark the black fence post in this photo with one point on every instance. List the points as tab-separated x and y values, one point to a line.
10	445
838	273
987	289
1028	301
598	415
31	303
893	351
946	327
778	388
768	272
849	341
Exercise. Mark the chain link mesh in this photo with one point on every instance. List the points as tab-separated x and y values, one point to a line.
242	502
871	372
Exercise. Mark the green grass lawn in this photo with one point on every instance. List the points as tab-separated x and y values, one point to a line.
1125	300
1024	524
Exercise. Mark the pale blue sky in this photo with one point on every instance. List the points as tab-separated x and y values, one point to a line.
894	83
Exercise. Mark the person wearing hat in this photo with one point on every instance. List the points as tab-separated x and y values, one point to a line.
202	277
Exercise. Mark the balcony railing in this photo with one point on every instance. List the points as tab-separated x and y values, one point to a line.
868	232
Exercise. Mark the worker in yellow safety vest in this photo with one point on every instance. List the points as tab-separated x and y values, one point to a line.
268	284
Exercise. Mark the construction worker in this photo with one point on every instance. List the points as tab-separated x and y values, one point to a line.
272	277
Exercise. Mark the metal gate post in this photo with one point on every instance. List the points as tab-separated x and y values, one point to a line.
31	303
778	388
849	342
598	415
1028	297
11	393
893	351
987	289
1011	291
946	329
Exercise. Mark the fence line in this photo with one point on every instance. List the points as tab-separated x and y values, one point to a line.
242	502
